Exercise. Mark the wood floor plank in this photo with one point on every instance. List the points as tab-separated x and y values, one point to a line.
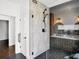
7	52
16	56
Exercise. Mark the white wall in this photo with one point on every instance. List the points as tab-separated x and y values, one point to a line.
40	40
8	7
20	10
24	27
11	8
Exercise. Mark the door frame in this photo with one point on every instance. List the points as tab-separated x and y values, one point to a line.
7	18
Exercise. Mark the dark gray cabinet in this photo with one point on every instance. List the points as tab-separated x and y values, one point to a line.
65	44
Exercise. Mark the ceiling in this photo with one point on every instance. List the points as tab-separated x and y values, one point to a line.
51	3
16	1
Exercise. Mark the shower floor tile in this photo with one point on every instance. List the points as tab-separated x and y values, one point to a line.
53	54
7	52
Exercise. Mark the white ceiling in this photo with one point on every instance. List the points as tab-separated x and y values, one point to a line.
16	1
51	3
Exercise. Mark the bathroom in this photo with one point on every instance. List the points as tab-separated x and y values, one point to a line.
42	30
65	23
64	31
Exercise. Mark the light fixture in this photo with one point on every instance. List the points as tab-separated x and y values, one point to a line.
77	20
59	21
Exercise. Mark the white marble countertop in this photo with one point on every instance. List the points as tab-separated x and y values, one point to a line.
65	37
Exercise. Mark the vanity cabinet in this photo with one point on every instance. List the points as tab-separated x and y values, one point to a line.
65	44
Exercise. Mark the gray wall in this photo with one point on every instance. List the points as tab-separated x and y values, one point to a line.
67	11
3	30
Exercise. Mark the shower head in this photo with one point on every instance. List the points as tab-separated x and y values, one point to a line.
45	10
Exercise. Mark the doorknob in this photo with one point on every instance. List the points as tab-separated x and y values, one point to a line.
25	37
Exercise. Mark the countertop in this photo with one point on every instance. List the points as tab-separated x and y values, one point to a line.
65	37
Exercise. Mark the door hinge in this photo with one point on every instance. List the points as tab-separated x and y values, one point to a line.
32	53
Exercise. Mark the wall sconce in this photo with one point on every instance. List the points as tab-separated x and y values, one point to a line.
77	20
59	21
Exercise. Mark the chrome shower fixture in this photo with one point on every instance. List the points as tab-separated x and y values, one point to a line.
44	17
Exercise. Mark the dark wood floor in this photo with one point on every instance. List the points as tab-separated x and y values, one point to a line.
8	51
16	56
